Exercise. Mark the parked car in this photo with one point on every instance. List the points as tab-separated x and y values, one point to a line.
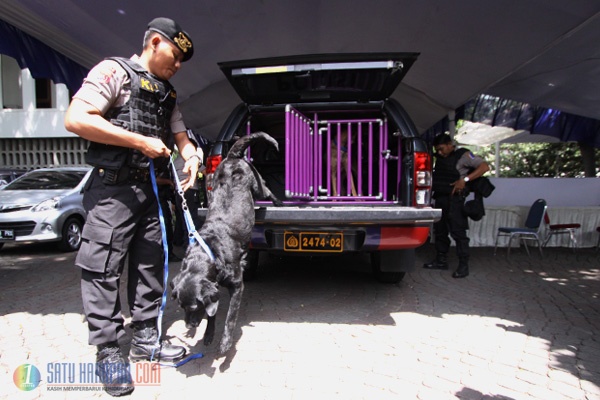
44	205
330	114
7	175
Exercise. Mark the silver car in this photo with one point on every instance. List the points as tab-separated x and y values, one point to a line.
44	205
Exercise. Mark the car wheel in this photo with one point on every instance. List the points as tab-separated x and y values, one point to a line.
251	268
384	276
71	234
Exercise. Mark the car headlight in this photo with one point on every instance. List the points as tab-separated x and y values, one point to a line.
47	204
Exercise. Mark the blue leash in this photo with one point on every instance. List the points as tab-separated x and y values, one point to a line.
189	222
166	251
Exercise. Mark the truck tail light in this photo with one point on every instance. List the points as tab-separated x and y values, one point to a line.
422	179
212	162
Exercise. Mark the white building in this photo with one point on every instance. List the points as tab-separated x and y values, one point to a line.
32	111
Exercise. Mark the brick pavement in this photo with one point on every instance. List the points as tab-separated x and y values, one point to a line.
322	328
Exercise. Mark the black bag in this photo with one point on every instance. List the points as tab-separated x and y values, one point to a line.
482	186
474	209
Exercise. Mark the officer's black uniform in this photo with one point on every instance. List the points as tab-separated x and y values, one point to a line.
123	218
454	222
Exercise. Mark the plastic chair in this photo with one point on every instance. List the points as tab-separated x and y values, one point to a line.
559	229
531	230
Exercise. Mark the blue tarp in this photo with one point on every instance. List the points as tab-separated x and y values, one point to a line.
41	60
495	111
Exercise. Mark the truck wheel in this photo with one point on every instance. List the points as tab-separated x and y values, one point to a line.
71	235
384	276
251	268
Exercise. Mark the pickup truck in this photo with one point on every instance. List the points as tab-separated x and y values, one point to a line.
353	174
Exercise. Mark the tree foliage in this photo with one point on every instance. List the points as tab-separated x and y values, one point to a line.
526	160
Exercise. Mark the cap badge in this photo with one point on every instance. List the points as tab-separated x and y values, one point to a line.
183	42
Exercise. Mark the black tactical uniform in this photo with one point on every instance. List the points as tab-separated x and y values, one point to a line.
123	222
454	222
452	168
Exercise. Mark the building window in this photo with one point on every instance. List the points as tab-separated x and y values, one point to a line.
43	93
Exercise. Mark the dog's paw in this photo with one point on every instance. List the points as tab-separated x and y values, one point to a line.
278	203
208	339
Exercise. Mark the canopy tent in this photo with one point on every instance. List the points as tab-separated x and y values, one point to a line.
491	119
466	47
41	60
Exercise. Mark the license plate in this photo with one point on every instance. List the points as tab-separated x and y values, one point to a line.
7	234
314	241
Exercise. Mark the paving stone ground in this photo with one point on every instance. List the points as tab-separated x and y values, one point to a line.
323	328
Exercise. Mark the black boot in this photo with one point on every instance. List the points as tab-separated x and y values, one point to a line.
463	269
145	344
440	262
113	371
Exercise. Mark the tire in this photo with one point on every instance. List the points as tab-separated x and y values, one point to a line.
384	276
71	235
251	267
1	245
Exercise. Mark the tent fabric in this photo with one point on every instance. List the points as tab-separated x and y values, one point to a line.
466	47
41	60
495	111
490	119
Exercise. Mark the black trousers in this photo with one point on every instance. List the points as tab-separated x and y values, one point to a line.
122	227
454	223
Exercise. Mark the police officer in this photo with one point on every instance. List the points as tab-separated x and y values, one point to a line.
128	111
453	169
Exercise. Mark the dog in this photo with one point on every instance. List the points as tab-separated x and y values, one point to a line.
227	232
343	160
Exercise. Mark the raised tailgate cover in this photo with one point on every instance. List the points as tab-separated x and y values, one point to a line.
318	77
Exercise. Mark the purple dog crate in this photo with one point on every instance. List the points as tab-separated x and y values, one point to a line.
321	152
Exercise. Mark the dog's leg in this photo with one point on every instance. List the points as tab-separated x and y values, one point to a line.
235	292
209	333
353	187
333	171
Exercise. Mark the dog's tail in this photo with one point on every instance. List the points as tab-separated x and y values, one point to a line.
240	146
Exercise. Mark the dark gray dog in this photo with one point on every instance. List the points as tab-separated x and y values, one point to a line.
226	231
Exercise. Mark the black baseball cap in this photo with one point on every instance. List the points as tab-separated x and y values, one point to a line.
172	31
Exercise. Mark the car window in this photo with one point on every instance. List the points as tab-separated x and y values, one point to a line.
47	180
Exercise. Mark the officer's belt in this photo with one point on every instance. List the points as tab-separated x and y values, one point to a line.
124	175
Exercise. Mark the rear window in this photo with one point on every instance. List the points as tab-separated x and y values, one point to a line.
47	180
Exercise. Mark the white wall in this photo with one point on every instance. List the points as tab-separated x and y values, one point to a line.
29	122
558	192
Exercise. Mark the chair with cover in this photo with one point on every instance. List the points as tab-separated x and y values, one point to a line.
530	232
560	229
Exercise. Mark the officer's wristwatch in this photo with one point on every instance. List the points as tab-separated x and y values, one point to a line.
466	179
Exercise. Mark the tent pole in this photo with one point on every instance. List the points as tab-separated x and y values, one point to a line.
497	159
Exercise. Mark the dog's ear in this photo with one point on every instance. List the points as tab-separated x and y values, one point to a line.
209	297
211	308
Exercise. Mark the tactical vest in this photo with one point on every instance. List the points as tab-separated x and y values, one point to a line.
147	112
445	172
